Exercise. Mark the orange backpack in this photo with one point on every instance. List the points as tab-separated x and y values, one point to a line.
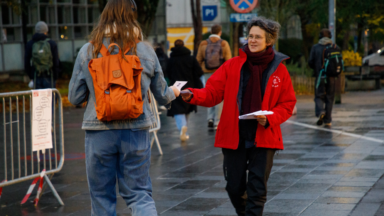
117	85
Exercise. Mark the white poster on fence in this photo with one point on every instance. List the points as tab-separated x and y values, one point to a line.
41	119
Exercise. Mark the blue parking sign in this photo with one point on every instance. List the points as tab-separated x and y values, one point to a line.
209	12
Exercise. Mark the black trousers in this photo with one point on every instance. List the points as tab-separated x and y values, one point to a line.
325	95
258	162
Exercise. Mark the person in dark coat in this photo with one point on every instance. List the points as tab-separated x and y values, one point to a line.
163	59
325	92
45	80
183	67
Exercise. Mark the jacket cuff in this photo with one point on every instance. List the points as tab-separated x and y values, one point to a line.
266	124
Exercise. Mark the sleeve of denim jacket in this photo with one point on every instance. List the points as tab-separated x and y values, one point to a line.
159	87
78	90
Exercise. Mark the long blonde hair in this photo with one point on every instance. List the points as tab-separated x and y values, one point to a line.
118	22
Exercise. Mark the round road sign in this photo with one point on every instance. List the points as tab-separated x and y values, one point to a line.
243	6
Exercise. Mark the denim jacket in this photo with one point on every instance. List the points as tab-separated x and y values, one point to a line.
81	89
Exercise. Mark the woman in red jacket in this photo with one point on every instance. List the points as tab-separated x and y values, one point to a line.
255	80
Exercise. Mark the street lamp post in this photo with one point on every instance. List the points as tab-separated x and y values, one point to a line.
332	28
332	19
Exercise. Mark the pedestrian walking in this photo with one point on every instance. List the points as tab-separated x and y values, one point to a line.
212	53
184	67
45	59
114	73
163	59
326	61
255	80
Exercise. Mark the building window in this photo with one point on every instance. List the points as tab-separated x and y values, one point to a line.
5	14
80	32
32	14
79	15
65	32
93	14
47	14
64	14
78	1
10	34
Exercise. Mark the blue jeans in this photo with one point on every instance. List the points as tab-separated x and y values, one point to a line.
181	120
214	113
44	82
122	155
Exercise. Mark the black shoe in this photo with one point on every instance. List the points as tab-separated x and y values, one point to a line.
210	123
320	121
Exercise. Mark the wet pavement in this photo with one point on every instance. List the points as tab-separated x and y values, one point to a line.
320	172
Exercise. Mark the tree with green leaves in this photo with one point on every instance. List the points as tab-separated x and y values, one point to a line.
278	10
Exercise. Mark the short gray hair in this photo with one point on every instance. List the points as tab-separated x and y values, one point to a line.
270	27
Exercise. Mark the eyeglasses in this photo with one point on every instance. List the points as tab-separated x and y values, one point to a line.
257	37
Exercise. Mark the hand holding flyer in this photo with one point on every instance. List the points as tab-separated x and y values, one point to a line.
254	114
180	84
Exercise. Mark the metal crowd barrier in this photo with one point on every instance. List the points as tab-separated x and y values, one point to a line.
157	125
20	163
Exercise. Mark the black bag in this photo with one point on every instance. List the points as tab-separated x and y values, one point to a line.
332	61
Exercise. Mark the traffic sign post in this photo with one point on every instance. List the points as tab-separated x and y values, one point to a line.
210	12
238	17
243	6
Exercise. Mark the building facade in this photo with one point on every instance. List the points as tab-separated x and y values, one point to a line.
69	22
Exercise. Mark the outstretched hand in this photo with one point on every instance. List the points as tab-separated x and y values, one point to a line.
186	95
175	91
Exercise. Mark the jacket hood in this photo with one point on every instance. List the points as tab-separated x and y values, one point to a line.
39	37
180	51
325	41
214	39
159	51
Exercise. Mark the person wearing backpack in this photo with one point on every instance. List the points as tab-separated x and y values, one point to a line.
43	54
326	61
212	53
114	73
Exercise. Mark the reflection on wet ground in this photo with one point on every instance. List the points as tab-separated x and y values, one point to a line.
318	173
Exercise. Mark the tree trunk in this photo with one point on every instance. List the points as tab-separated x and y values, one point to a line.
359	34
235	39
24	22
346	39
197	25
306	39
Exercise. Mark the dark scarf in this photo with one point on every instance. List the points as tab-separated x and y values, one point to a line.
257	64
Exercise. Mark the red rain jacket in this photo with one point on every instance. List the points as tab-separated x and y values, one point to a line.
279	97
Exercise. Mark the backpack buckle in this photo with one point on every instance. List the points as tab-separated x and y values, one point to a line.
129	91
106	92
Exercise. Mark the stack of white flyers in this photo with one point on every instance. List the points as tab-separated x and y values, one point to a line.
254	114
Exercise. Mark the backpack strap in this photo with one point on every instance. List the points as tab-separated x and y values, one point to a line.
114	44
104	50
323	57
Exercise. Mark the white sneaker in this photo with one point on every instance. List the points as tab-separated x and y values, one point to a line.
183	133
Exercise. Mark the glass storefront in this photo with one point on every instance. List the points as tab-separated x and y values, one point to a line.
69	23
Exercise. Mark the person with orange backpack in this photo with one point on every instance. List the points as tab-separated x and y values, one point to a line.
113	73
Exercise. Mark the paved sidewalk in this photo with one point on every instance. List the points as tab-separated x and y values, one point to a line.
318	173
